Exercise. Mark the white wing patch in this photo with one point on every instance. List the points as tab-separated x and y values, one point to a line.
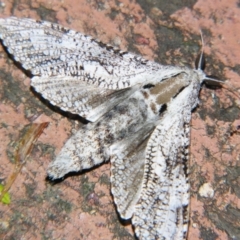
139	112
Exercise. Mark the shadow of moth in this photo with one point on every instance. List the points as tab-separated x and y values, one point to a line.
139	113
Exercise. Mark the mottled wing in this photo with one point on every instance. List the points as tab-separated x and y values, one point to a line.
162	209
74	71
48	49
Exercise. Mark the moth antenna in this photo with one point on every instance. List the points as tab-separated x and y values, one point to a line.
222	83
200	60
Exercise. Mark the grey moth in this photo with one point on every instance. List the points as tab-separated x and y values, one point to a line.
138	112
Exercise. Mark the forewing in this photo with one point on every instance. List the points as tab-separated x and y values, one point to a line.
162	210
74	71
48	49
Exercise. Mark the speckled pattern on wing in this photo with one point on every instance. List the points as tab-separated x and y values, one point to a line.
139	112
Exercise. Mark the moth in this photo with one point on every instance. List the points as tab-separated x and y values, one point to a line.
138	111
